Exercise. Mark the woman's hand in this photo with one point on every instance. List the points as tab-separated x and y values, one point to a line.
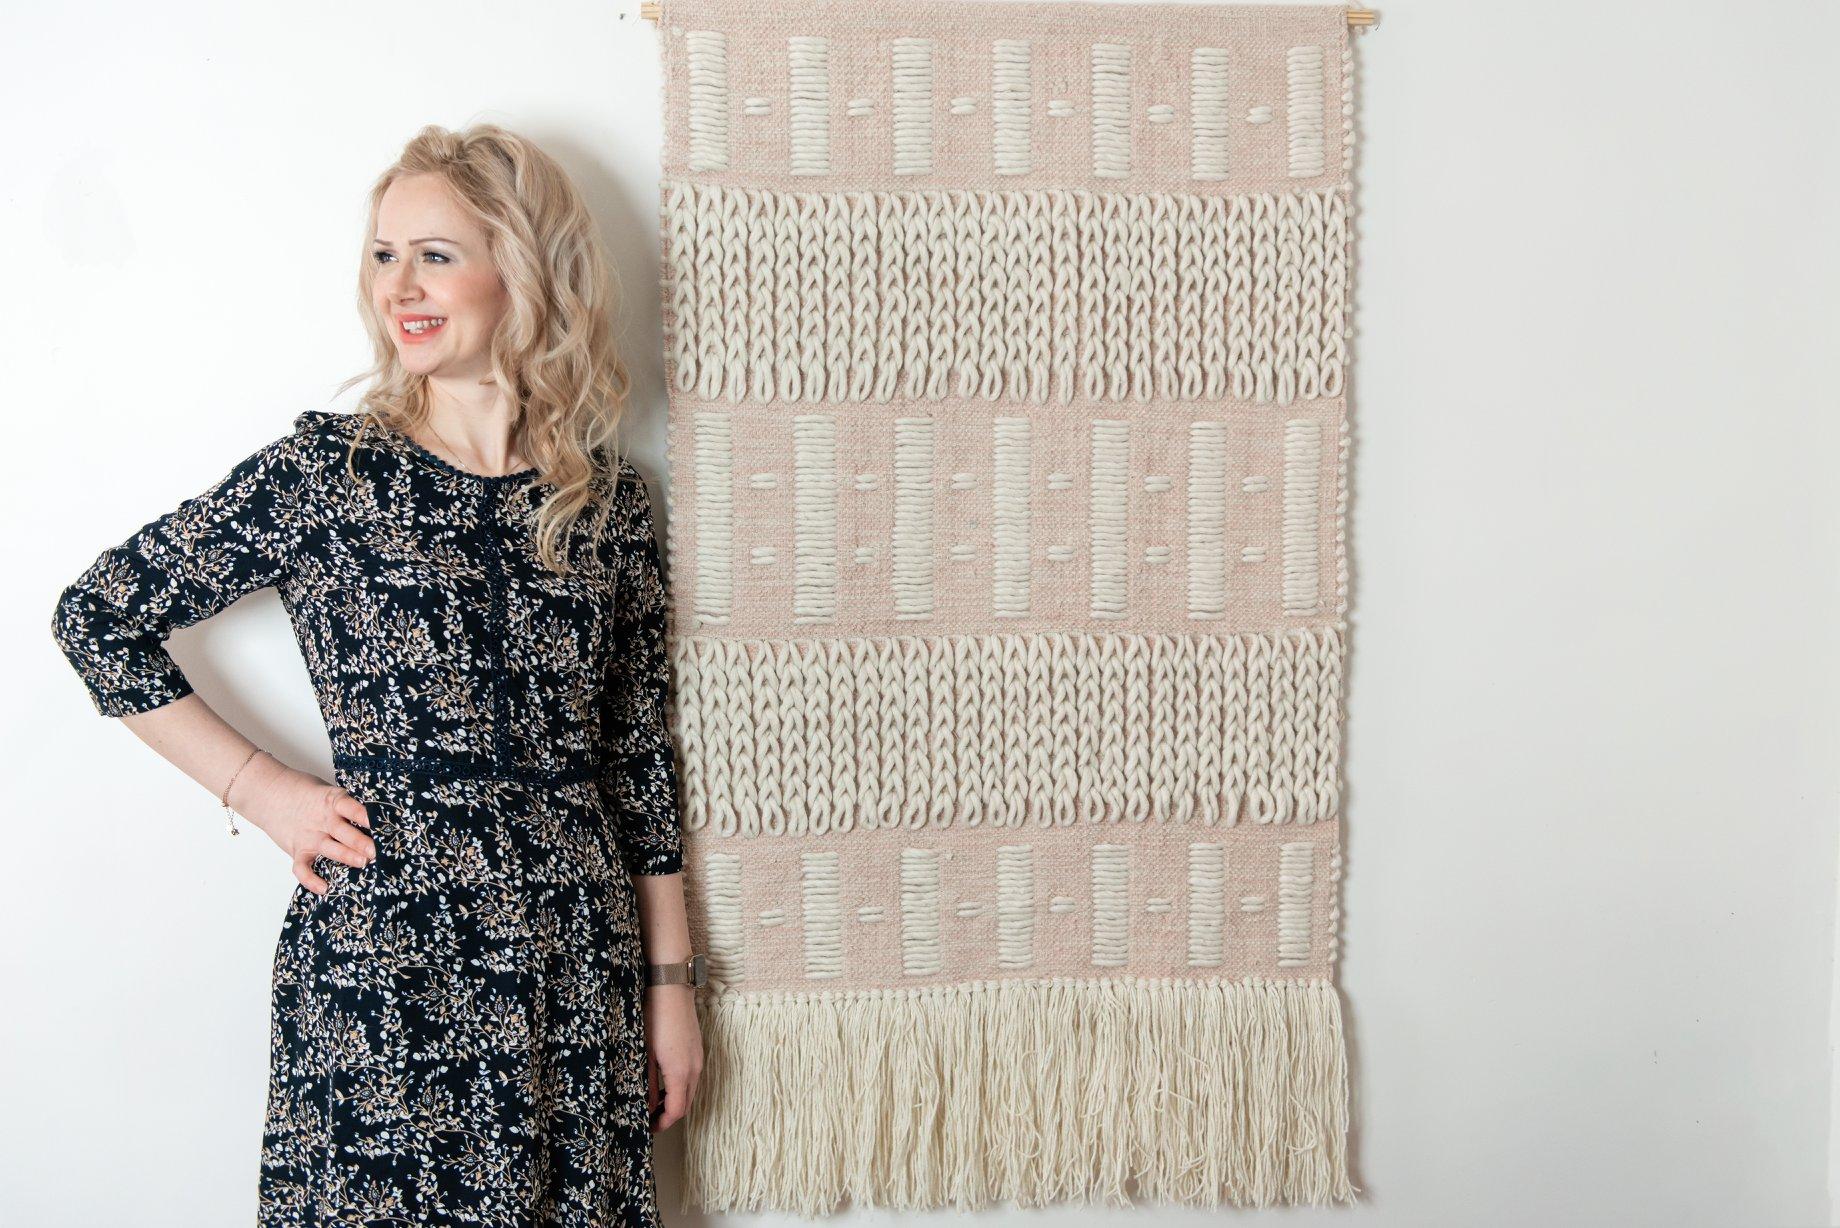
305	816
674	1053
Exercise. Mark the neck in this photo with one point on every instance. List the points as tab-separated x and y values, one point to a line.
474	419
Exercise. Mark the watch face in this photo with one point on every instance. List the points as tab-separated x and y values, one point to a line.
697	976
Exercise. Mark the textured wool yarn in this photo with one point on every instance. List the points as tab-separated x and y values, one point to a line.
1006	347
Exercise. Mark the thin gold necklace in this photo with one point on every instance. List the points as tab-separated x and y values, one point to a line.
455	452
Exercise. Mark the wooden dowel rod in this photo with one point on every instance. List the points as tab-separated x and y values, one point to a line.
648	9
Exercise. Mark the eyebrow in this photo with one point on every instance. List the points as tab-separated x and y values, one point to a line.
413	242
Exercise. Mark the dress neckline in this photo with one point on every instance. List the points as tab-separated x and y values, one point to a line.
450	467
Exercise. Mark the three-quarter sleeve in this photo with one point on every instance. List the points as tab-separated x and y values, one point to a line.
639	781
112	621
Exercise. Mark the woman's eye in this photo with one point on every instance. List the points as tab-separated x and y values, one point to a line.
380	256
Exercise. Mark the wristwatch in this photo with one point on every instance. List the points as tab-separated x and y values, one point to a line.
684	972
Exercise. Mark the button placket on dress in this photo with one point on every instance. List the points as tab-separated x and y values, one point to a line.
498	618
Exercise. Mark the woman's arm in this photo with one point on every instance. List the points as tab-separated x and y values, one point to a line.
674	1036
639	779
304	815
240	535
661	917
641	789
113	620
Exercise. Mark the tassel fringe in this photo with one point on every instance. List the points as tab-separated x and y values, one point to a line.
1167	1090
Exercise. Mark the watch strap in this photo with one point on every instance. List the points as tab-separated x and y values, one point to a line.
681	972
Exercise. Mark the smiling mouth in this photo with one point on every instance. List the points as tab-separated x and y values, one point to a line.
420	326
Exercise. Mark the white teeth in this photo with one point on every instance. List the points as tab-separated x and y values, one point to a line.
422	326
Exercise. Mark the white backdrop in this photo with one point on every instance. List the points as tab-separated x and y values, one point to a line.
1589	912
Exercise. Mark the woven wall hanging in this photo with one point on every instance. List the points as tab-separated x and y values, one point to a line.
1006	349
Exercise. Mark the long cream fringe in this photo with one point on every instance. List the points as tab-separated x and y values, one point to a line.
1035	1091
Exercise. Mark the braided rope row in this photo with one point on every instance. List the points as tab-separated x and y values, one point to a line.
811	736
1024	295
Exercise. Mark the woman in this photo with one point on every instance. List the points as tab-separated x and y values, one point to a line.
461	1020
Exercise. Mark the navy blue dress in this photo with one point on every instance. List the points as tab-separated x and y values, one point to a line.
456	1028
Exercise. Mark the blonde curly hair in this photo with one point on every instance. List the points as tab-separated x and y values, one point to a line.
554	350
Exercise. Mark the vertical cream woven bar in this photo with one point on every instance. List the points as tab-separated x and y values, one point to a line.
1006	346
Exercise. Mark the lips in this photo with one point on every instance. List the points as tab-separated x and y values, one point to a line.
425	326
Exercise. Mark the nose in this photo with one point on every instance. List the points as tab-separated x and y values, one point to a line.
397	282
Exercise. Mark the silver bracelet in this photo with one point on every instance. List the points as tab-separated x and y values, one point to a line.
225	799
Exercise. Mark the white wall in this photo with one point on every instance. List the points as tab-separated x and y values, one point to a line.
1592	806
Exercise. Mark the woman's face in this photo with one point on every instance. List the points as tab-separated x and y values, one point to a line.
435	286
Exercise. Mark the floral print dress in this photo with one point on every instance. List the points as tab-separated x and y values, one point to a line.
457	1035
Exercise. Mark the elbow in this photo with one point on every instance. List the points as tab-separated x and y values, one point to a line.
70	631
80	621
73	631
67	620
124	670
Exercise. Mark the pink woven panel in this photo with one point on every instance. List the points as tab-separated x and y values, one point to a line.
860	37
1154	549
1020	904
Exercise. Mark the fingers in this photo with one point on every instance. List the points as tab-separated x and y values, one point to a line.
328	849
303	870
342	837
350	837
342	842
350	809
332	849
679	1085
333	835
